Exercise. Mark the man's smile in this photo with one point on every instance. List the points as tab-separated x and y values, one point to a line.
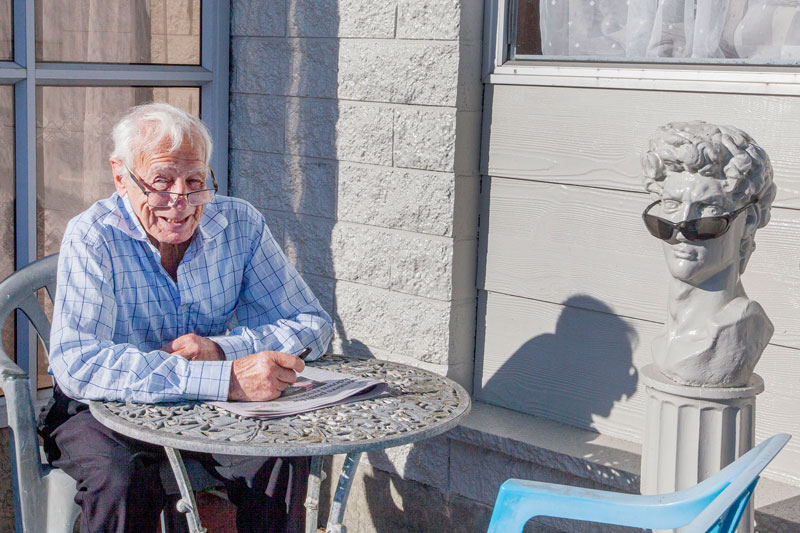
175	223
175	220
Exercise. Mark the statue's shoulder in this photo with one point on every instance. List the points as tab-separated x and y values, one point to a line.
726	354
742	313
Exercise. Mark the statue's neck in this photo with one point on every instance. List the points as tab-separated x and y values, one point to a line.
691	305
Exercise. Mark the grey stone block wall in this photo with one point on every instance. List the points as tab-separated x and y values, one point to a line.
355	129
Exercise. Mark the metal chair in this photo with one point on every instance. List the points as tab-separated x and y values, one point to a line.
43	496
716	504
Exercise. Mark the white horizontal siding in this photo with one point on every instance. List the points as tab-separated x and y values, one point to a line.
561	224
595	137
549	241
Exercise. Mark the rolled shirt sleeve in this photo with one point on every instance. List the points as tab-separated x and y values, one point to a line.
276	309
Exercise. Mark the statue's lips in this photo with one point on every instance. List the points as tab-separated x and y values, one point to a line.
688	255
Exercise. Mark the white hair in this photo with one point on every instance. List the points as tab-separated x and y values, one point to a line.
145	126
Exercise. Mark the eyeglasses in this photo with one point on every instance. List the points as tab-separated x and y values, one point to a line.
167	198
696	229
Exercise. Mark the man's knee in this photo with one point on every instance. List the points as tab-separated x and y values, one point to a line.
118	474
101	460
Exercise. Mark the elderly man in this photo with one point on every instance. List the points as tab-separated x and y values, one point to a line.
713	188
168	291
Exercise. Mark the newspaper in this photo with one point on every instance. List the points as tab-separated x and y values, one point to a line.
314	389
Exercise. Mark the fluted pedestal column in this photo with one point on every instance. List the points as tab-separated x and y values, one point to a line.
692	433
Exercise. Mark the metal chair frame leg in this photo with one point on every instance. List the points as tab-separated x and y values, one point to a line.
342	493
186	504
315	477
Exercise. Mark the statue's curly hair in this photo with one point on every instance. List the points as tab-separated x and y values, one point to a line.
722	152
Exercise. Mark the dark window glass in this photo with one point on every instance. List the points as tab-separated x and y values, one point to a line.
6	30
529	38
7	248
119	31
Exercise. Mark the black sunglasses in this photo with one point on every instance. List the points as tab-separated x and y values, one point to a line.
696	229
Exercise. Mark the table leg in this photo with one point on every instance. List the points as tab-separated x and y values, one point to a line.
186	504
342	492
315	477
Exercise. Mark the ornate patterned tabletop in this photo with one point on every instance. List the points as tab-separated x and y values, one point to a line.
419	404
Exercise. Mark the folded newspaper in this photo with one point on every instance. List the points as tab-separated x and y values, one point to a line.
314	389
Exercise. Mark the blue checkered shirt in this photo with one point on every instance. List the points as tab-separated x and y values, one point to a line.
115	305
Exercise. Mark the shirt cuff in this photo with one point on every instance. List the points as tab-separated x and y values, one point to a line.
208	380
233	346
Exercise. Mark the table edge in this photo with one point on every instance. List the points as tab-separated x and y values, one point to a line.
115	423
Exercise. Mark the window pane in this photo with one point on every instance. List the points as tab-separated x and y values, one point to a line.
119	31
7	251
678	31
6	30
529	38
73	142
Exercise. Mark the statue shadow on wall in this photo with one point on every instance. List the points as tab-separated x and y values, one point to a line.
574	375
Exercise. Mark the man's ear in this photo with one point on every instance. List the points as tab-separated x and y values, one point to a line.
120	173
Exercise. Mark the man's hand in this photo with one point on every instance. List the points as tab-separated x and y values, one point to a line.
263	376
195	348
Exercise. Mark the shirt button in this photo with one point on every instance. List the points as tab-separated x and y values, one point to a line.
183	308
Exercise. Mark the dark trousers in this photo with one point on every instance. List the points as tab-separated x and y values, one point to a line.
120	489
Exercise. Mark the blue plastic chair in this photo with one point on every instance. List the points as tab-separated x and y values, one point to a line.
713	505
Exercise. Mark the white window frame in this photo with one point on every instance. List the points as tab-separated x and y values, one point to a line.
498	69
24	73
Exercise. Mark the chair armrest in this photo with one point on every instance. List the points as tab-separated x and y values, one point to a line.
9	369
520	500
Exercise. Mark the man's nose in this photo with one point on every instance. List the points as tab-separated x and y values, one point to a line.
180	201
180	188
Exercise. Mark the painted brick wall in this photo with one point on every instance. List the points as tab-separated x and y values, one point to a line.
355	129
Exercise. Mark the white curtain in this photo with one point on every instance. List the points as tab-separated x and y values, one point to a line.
763	30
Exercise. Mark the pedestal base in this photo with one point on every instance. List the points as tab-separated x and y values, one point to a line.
692	433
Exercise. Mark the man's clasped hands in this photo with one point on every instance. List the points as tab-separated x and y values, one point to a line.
258	377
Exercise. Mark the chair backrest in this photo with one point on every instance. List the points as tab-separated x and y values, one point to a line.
724	513
18	291
714	505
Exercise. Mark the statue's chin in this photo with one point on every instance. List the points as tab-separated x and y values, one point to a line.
722	354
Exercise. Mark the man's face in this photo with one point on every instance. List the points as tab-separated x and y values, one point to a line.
686	196
181	171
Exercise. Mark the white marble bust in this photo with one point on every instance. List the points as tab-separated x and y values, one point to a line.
694	170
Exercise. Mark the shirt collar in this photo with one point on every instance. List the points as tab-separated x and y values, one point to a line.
124	218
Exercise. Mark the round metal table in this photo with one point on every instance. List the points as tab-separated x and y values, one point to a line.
418	405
